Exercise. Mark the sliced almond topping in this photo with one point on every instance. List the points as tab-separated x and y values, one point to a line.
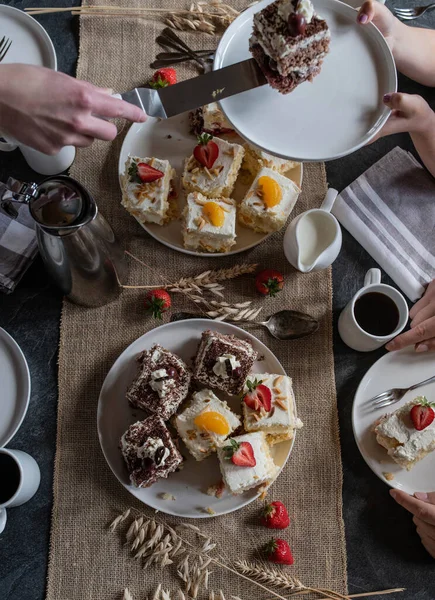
229	152
227	201
195	170
201	224
227	210
276	390
209	175
200	202
281	403
255	417
278	380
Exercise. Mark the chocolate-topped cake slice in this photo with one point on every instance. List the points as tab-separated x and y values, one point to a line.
223	362
149	452
289	42
162	383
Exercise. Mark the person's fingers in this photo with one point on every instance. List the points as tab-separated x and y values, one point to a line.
426	497
99	129
426	346
394	124
421	332
429	545
405	104
426	312
111	108
366	13
424	301
80	141
423	510
424	530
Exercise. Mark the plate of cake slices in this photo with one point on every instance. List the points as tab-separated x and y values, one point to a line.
326	73
197	422
195	186
398	442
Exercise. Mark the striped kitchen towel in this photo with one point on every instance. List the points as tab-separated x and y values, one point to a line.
18	245
390	211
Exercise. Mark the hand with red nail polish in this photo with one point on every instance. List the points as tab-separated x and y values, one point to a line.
422	332
422	506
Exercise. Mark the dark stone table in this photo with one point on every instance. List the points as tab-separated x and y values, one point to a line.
382	547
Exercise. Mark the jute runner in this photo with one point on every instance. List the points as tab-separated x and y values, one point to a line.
86	562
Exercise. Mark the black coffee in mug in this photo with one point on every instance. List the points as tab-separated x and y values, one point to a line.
376	313
9	477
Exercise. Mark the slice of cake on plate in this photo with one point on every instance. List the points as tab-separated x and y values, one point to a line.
289	42
147	190
149	452
205	424
223	362
213	167
209	224
408	434
268	202
268	406
161	384
245	462
255	159
210	119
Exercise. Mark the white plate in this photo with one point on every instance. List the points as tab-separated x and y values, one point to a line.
15	387
395	369
340	111
151	139
115	415
31	44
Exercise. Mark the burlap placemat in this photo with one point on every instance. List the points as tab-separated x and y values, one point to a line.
86	562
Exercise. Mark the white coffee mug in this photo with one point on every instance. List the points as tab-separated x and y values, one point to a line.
352	334
38	161
27	478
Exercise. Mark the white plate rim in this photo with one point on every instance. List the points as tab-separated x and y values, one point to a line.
207	324
18	353
361	385
39	29
392	73
121	164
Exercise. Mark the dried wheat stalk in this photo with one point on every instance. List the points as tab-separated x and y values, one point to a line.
270	576
127	595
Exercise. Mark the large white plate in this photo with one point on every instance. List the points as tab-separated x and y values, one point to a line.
340	111
170	139
395	369
31	44
115	415
15	387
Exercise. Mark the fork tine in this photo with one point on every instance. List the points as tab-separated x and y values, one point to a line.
5	51
384	404
381	395
386	398
2	42
404	11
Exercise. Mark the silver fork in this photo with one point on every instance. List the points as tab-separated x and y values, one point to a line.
5	44
395	394
409	14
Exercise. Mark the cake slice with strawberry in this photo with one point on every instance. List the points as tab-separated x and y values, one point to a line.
147	190
408	434
213	167
246	463
268	406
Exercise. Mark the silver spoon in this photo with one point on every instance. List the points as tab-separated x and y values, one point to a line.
283	325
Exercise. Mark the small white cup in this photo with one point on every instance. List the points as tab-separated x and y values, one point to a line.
352	334
40	162
27	485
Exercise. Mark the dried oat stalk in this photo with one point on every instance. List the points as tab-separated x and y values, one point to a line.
270	576
210	17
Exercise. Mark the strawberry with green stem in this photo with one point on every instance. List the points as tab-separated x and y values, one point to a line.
157	302
259	396
240	453
269	282
206	151
422	413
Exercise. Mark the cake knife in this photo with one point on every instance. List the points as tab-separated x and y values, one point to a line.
187	95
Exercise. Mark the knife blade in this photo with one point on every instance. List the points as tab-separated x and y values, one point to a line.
190	94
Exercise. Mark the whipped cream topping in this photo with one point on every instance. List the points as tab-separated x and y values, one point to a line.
148	449
220	366
160	382
303	7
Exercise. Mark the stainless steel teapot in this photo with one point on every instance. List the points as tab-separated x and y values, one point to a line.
77	245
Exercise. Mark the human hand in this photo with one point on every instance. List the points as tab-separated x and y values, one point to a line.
47	110
378	14
422	506
409	112
422	332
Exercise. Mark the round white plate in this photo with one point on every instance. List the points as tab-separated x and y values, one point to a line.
395	369
170	139
31	44
15	387
340	111
115	416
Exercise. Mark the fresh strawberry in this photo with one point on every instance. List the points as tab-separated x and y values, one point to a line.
259	395
206	151
422	414
157	302
240	454
278	551
147	173
269	282
275	516
163	78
